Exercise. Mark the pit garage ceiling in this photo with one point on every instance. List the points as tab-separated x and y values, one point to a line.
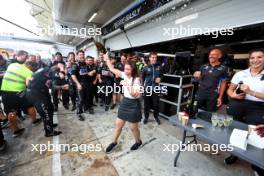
75	13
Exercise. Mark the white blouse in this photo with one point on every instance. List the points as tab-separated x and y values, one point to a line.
136	85
254	82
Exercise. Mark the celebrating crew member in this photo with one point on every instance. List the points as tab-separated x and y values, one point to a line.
106	78
99	64
210	76
91	69
60	86
151	76
40	63
13	92
117	95
72	85
81	79
58	59
129	110
38	94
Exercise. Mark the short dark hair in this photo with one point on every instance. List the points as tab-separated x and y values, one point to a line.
33	66
123	54
153	53
80	51
70	54
256	50
89	57
58	53
21	53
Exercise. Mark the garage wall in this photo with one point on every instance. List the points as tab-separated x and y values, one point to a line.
91	51
64	49
202	14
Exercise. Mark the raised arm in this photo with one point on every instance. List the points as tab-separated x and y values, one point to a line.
111	67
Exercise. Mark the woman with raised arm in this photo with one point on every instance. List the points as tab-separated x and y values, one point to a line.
129	110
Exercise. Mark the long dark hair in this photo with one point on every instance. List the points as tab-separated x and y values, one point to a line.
134	72
258	50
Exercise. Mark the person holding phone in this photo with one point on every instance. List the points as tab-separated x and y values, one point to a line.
247	104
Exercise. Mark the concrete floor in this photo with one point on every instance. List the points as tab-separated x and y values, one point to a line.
20	160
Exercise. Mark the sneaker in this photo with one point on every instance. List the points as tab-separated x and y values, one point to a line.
73	108
230	160
91	111
66	107
55	109
3	146
106	108
157	120
54	133
101	103
81	118
36	122
145	121
110	147
113	106
18	132
136	145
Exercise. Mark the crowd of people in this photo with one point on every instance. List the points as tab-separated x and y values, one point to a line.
30	86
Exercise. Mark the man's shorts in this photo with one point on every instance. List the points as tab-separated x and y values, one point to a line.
14	102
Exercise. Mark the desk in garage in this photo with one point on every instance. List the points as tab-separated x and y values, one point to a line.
219	136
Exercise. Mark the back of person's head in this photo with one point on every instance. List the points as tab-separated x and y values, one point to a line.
2	60
31	65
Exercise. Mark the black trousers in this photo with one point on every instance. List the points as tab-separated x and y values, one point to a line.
96	94
107	96
82	99
90	95
44	106
151	102
1	135
207	100
65	97
249	112
73	94
246	111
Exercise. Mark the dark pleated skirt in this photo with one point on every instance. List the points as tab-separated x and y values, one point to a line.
130	110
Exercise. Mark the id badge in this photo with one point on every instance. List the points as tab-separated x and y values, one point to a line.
83	71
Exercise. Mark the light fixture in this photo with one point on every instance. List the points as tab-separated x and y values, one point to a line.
92	17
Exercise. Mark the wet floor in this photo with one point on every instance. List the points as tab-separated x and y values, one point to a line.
86	157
